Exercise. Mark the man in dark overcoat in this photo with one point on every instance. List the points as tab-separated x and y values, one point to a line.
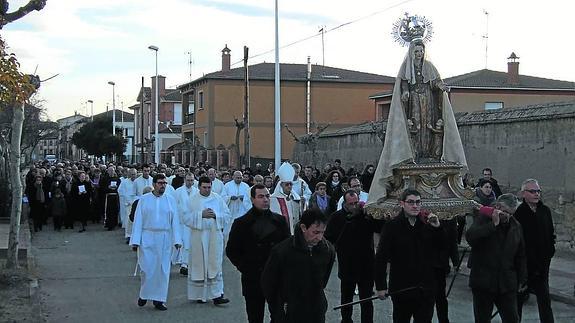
499	268
251	239
351	230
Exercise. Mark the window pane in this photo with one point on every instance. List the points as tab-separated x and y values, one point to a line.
493	105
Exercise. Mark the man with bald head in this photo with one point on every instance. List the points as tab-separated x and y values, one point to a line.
236	194
217	184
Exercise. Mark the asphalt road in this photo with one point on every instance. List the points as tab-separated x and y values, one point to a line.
88	277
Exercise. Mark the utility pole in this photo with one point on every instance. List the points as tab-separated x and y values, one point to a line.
142	122
322	30
486	36
247	158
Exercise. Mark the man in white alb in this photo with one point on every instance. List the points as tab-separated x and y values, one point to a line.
143	180
184	194
156	230
128	194
217	184
206	217
236	194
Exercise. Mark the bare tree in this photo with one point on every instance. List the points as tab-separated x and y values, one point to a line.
15	91
309	140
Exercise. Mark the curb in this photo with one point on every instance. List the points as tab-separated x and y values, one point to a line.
34	286
558	296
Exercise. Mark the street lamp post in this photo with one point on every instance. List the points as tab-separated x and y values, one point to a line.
157	103
113	107
91	109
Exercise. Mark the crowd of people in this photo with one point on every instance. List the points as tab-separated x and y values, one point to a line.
284	230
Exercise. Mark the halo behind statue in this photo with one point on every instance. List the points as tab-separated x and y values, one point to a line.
410	28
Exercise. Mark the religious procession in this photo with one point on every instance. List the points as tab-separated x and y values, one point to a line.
391	228
401	231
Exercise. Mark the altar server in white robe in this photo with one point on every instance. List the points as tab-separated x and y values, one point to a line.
128	194
236	193
206	217
156	229
143	180
184	194
284	201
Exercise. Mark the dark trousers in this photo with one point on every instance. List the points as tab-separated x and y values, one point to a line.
38	214
506	305
57	222
441	306
365	288
420	308
539	285
255	301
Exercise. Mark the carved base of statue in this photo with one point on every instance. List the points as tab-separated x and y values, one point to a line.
439	183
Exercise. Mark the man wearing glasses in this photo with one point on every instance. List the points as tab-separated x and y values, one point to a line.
156	229
284	201
354	184
409	243
539	236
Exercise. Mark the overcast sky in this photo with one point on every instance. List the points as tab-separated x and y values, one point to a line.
91	42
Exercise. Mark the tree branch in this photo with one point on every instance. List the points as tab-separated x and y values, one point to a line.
6	17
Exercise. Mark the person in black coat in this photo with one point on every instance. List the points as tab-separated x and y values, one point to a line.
320	200
539	235
442	268
409	243
109	189
249	245
334	181
38	199
351	230
297	272
82	198
499	268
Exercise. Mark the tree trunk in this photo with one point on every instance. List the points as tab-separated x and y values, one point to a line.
15	180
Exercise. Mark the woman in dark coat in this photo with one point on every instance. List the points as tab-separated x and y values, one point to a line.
38	198
367	177
81	196
484	194
334	181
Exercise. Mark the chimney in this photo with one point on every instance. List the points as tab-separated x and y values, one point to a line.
513	69
161	86
226	58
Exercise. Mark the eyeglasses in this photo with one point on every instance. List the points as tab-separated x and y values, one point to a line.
533	191
162	183
355	186
288	183
412	202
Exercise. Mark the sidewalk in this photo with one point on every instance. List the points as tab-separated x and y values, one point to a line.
562	277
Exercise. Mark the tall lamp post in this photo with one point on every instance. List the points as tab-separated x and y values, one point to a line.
113	107
157	103
91	109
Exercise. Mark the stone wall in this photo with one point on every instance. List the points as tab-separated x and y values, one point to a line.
530	142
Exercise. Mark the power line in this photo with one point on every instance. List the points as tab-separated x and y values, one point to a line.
323	31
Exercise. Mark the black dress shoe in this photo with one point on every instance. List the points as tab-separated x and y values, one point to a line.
160	306
184	271
141	302
199	301
221	300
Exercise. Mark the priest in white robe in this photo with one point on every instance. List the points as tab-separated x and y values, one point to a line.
206	217
284	200
156	229
143	180
236	193
128	194
184	194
